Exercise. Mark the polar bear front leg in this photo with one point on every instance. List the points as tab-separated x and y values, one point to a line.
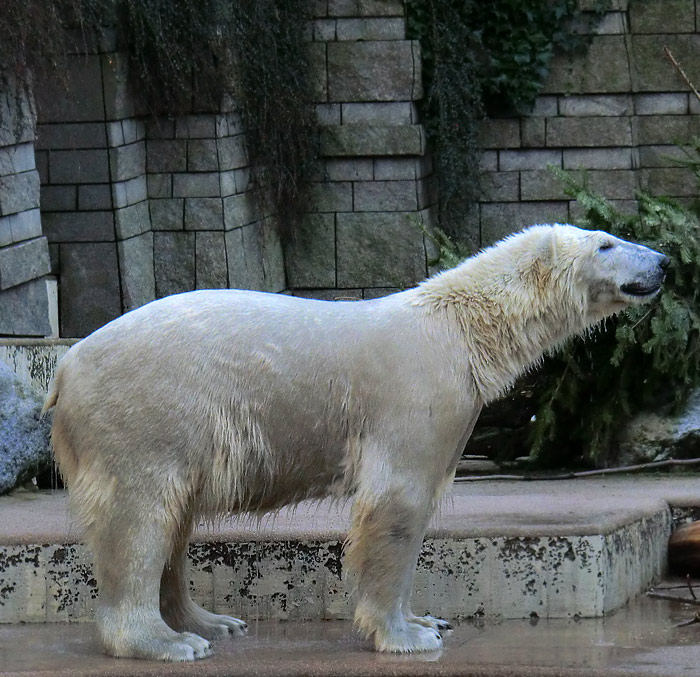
383	545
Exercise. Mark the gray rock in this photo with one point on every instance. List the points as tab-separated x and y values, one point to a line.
24	436
657	437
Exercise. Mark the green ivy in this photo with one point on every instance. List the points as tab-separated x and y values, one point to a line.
646	358
484	58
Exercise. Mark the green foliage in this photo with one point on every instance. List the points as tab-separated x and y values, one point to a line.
478	58
648	357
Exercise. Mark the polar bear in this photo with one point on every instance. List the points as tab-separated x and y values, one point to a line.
216	402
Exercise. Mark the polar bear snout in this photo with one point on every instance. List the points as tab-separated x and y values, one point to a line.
650	275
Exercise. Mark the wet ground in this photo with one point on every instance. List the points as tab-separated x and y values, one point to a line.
640	639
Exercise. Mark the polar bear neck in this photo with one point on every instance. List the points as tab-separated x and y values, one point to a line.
509	311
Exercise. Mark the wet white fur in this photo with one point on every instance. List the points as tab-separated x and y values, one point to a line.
214	402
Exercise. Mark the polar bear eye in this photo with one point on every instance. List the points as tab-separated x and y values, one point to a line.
605	246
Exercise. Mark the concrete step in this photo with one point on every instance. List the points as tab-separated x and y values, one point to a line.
558	549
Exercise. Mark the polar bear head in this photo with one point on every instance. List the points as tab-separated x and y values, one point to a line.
609	273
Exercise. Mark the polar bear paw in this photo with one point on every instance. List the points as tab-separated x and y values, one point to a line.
428	621
408	638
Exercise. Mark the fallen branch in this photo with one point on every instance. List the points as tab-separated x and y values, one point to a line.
673	598
585	473
672	59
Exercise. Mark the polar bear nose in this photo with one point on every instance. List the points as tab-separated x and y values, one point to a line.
664	262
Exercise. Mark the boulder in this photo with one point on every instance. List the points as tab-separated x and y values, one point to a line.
24	435
658	436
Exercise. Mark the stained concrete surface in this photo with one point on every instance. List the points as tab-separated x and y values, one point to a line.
639	639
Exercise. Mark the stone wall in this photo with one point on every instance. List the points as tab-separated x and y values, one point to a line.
615	111
135	209
27	296
371	196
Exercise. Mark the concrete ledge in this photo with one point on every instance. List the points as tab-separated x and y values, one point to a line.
496	550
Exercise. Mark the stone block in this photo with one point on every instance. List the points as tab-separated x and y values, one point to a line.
539	184
71	136
488	161
254	256
159	185
343	8
115	133
133	130
132	220
545	106
17	115
42	165
653	72
318	65
673	181
232	152
390	28
136	271
128	162
160	128
379	250
166	155
201	184
90	295
17	159
662	16
612	23
599	158
95	196
330	197
357	140
500	186
201	155
665	129
602	68
59	198
499	133
395	169
126	193
374	71
310	254
242	178
239	210
28	309
660	156
595	105
324	29
499	219
532	132
589	131
204	213
379	113
25	261
319	8
79	166
174	262
20	226
195	127
167	213
78	226
348	170
228	124
227	183
327	113
118	96
19	192
380	8
54	256
389	196
661	104
78	98
210	259
512	160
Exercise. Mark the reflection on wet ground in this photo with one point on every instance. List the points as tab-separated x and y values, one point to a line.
640	639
